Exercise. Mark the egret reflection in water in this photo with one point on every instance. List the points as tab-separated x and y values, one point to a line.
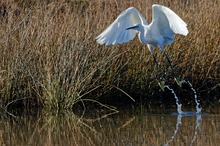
179	122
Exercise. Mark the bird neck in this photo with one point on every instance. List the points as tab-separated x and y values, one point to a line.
141	35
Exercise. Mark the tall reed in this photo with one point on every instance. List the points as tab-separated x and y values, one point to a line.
50	57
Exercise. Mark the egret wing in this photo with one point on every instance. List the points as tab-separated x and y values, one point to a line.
166	20
116	33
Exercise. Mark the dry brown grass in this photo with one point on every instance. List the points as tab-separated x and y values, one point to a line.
49	52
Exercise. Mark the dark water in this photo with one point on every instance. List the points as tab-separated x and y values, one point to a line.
129	127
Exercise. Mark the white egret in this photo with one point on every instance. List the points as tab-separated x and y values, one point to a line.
165	23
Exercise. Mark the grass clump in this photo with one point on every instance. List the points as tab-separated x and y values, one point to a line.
50	57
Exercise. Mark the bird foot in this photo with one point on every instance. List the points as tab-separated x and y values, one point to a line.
180	83
162	85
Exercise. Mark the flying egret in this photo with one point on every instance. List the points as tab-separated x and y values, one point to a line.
165	23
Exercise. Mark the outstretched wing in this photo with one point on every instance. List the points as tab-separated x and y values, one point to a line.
166	23
116	33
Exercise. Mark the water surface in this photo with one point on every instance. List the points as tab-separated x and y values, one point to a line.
129	127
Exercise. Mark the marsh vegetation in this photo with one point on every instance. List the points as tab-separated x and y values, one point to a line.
49	57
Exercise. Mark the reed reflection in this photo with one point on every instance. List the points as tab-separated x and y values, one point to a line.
128	127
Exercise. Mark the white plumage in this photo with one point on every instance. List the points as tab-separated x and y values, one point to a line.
165	23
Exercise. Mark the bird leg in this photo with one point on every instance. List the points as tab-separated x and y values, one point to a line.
155	60
174	74
168	59
161	83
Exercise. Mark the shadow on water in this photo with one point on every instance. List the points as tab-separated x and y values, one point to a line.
127	127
